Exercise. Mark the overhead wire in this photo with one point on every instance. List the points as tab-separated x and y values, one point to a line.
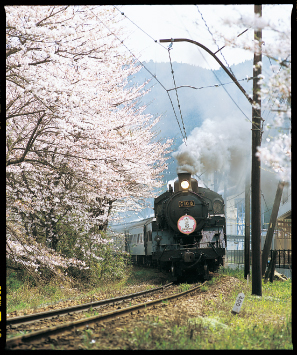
209	86
219	49
154	76
123	14
156	41
175	88
232	98
214	40
255	127
178	104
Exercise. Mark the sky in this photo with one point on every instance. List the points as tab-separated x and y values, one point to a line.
145	25
202	23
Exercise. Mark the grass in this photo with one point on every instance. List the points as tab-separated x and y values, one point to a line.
26	297
263	322
22	296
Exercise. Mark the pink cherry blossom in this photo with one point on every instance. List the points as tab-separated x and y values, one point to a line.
79	145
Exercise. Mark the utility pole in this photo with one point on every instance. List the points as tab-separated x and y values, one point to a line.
247	226
256	173
272	224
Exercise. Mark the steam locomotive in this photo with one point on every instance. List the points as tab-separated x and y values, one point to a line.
187	234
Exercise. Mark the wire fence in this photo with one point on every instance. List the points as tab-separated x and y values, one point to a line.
283	259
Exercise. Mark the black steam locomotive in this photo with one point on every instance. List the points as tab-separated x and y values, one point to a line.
187	234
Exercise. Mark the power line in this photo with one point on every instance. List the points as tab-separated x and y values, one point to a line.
214	40
154	76
178	104
184	136
219	49
155	40
228	92
229	69
209	86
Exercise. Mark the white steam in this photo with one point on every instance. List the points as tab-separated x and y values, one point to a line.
220	144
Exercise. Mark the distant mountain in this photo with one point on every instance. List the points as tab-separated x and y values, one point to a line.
207	101
216	98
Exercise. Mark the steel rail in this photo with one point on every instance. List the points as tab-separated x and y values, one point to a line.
27	338
78	308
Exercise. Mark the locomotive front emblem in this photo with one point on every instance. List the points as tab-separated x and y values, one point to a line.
186	224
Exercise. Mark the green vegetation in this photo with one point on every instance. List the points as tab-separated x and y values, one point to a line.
24	294
184	287
263	322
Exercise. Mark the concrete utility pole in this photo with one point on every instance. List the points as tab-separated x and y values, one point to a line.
247	226
256	173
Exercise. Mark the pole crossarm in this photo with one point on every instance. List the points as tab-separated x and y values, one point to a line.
215	57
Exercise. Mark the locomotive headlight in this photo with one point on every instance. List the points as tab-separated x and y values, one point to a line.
185	184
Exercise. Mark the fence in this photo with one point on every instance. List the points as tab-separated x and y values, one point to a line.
283	260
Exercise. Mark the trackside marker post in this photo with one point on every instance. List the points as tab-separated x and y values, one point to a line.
238	303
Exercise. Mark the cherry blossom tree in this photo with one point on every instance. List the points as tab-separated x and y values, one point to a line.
78	141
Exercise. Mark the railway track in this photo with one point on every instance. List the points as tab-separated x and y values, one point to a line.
83	322
78	308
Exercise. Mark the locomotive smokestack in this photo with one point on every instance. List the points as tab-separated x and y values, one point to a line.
184	176
183	183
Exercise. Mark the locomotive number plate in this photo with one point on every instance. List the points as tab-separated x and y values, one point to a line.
186	203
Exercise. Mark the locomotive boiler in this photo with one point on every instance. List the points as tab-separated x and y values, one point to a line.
186	235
